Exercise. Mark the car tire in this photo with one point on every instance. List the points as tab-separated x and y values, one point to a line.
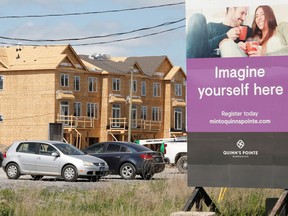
69	173
37	177
13	171
182	164
93	178
127	171
147	175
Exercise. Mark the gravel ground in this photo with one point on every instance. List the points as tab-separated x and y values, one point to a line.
48	182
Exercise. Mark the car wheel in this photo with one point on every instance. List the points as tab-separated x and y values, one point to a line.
12	171
94	178
37	177
69	173
147	175
182	164
127	171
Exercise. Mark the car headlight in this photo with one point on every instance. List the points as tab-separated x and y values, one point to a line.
86	163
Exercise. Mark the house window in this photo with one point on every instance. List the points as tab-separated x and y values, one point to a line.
178	119
144	112
92	110
77	83
92	84
116	84
64	80
178	89
143	88
156	114
116	115
134	116
134	85
1	82
77	109
156	89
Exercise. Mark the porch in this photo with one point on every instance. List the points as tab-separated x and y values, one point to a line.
74	127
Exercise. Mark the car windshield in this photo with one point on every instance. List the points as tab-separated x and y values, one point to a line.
68	149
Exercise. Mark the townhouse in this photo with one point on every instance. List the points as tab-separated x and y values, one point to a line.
50	92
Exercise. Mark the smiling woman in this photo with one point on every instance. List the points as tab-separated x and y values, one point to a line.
268	38
272	37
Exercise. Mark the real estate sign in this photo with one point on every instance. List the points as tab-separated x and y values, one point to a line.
237	103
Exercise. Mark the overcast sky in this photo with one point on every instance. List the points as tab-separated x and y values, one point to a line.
171	44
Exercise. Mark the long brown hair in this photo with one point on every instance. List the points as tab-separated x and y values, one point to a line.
271	21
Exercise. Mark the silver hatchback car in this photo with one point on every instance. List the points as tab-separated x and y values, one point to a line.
51	158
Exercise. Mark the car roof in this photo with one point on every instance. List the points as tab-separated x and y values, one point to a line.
128	144
40	141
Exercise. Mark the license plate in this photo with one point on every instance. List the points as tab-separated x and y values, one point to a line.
157	159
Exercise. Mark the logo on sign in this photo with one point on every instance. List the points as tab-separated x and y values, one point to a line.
239	153
240	144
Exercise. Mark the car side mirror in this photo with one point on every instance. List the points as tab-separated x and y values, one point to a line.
55	154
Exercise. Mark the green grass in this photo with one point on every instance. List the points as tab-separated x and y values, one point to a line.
156	197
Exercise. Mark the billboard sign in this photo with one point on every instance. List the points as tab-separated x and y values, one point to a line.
237	93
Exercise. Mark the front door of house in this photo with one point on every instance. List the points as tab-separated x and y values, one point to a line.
64	112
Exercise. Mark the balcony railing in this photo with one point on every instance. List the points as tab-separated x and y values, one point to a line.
148	125
76	121
137	125
115	124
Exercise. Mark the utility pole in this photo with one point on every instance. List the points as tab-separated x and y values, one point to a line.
130	106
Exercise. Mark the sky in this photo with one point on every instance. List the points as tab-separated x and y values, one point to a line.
171	44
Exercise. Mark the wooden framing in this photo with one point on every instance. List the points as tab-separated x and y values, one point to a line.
39	89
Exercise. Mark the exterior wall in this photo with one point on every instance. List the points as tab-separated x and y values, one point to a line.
28	102
179	78
27	105
149	101
83	96
165	67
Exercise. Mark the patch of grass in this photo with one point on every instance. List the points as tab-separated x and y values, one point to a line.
149	198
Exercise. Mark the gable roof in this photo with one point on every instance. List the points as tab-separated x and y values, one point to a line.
149	64
110	66
173	72
34	57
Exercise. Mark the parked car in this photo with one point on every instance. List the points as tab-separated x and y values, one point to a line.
128	159
51	158
1	158
174	150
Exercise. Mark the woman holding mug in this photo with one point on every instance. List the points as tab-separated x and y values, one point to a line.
272	38
269	38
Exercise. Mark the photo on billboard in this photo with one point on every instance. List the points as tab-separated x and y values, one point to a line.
237	98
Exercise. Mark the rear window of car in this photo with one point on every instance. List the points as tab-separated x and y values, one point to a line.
140	148
113	148
27	148
96	148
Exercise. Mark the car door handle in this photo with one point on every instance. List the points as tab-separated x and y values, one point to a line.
117	157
